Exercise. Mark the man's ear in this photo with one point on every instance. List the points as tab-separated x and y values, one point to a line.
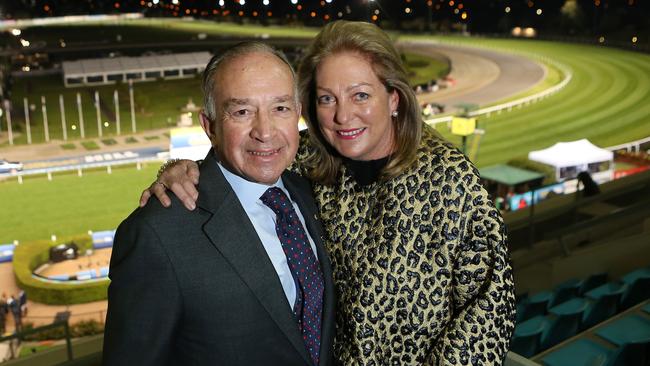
206	124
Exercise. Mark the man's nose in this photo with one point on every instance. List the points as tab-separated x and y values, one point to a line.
263	127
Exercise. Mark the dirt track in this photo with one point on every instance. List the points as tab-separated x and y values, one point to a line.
482	76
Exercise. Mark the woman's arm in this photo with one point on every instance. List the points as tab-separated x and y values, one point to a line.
483	291
180	177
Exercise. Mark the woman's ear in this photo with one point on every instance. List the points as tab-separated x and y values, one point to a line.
393	100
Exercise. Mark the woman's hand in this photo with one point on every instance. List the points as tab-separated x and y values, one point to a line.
179	177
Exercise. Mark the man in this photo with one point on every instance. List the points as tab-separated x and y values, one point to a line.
237	281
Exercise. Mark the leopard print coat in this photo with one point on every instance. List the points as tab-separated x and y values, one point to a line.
420	264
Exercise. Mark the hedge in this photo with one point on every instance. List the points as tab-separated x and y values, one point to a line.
81	328
30	255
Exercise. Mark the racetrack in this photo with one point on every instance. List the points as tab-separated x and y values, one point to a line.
482	76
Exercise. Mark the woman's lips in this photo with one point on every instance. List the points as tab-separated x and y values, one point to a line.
350	134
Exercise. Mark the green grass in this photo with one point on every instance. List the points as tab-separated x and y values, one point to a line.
155	104
423	69
69	146
607	101
70	205
30	348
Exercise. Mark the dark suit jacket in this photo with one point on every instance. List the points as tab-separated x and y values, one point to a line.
197	288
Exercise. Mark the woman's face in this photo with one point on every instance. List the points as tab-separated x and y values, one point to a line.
353	107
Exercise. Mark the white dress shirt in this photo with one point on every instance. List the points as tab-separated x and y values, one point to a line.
263	220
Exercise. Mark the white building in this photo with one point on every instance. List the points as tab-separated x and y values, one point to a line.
144	68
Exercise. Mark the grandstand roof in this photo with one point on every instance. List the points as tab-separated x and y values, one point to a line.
573	153
509	175
118	65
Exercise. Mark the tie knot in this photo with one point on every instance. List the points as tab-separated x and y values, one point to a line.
276	200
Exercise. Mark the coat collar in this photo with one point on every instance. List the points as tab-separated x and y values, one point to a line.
229	230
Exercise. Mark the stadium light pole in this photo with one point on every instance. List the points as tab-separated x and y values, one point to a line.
28	126
81	117
429	15
10	132
46	125
117	111
133	127
64	125
99	116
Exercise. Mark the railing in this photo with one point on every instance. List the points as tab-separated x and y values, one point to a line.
81	167
16	338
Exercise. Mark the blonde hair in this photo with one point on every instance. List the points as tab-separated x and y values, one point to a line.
368	40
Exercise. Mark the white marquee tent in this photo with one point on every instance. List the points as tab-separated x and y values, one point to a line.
570	158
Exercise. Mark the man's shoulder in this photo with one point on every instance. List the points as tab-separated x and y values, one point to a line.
160	218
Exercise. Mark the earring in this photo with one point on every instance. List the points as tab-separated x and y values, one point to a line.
394	114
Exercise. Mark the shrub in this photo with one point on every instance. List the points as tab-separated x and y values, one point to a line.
90	145
82	328
29	255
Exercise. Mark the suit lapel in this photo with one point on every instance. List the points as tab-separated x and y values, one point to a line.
232	234
302	194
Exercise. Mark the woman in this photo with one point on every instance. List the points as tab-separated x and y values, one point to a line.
418	250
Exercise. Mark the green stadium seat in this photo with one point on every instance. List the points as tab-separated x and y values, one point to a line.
601	309
582	352
585	352
635	275
638	291
534	305
564	323
592	282
606	289
629	329
527	345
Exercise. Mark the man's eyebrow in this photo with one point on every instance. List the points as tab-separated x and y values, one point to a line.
246	101
283	98
235	102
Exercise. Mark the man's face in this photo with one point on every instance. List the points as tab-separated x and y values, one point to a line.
256	132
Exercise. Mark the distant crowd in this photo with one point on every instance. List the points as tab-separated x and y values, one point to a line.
17	305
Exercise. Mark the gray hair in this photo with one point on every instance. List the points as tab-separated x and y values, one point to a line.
244	48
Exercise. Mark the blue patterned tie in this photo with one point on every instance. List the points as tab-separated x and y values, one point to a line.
303	265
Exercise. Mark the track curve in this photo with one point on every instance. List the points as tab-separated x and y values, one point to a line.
482	76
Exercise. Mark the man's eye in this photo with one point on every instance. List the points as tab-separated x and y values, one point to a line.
283	108
241	113
325	99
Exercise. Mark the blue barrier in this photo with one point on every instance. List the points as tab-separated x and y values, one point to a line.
103	239
6	253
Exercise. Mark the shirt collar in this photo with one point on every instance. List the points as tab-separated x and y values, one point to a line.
248	192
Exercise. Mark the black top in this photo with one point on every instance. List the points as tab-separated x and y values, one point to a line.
365	172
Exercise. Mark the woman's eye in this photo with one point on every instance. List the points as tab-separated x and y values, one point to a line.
360	96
